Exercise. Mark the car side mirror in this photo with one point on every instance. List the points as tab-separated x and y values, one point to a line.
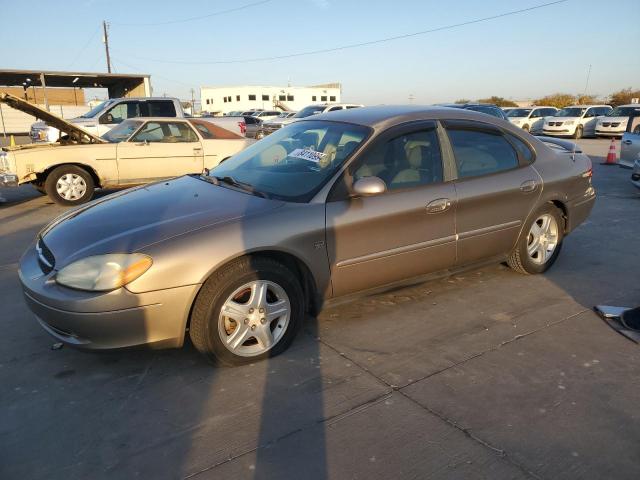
107	118
369	186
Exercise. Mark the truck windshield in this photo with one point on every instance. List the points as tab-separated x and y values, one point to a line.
122	132
97	109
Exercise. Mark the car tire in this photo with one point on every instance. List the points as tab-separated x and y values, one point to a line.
578	133
540	243
69	185
233	289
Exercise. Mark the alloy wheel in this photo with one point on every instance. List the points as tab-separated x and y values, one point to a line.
543	238
254	318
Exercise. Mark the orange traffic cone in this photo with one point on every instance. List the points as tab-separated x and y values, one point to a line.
612	158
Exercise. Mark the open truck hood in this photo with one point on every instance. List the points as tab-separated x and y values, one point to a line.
75	132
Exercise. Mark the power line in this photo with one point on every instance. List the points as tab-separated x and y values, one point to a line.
136	69
354	45
190	19
84	47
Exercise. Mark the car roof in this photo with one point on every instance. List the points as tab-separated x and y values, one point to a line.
587	106
381	117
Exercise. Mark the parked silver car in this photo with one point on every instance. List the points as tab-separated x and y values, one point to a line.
330	206
630	143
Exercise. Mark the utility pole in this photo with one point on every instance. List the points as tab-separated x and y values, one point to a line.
193	101
106	44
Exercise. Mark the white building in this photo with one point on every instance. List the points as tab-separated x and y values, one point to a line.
220	100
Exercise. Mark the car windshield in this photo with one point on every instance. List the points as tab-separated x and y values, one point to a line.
570	112
97	109
308	111
122	132
623	111
519	112
295	162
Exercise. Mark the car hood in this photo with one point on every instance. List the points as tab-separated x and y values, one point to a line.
61	124
129	220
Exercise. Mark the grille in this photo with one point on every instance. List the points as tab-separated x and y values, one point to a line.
45	258
606	124
615	124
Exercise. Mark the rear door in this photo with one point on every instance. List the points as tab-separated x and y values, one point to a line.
160	149
630	144
496	188
407	231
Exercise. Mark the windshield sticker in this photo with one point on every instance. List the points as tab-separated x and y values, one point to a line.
309	155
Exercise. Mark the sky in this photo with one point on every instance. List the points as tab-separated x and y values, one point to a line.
520	56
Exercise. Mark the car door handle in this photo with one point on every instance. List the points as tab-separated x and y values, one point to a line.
142	144
627	142
197	150
438	205
528	186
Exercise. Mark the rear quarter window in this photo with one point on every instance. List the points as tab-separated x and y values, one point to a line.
161	108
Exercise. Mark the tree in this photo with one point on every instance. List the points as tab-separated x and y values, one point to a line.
624	96
558	100
462	101
586	99
499	101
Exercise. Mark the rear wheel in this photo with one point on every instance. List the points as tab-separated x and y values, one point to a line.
249	310
540	242
579	131
69	185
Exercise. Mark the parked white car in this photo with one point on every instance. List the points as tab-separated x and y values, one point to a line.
270	127
576	121
266	114
614	123
103	117
530	119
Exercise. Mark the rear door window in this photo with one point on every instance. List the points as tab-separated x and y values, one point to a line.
161	108
481	152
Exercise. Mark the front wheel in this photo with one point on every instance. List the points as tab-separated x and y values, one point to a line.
540	242
69	185
249	310
578	133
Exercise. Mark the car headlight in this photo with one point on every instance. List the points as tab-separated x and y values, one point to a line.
569	122
104	272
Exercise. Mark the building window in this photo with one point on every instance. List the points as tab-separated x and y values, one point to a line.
225	99
282	98
207	101
237	98
252	97
332	98
313	98
323	98
265	97
289	98
229	99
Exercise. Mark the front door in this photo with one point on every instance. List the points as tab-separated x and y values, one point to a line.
496	188
160	149
407	231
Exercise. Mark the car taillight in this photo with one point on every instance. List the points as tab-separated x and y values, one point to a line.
243	127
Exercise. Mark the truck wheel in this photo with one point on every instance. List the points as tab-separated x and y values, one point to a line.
69	185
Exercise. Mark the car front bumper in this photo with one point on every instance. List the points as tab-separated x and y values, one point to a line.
609	133
105	320
558	132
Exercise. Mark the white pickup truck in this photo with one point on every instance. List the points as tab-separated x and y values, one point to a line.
103	117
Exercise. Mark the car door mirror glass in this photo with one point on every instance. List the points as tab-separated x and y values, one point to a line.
368	186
